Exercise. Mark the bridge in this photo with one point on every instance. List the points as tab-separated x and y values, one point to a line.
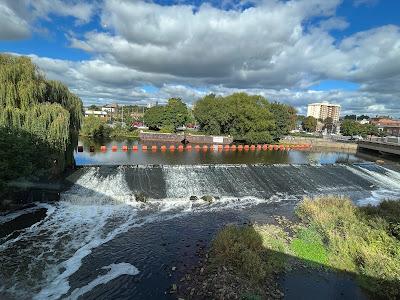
386	145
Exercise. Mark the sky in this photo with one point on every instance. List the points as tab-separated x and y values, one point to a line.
138	52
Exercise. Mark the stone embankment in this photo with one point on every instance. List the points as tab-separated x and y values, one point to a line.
179	137
319	143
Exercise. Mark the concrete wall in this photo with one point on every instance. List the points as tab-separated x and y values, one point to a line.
322	143
178	137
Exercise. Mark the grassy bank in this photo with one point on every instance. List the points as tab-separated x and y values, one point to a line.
330	233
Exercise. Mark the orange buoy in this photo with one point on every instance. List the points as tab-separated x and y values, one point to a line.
270	147
163	148
144	148
233	148
246	147
240	147
172	148
276	147
287	148
114	148
103	148
252	148
281	147
259	147
189	147
154	148
124	148
211	147
205	148
226	147
265	147
135	148
219	147
180	148
197	147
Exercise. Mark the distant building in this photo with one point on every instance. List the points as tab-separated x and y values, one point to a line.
96	113
324	110
111	108
363	121
387	125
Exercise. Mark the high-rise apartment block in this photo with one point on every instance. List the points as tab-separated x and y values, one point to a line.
324	110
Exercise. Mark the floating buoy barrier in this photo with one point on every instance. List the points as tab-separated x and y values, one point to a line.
205	148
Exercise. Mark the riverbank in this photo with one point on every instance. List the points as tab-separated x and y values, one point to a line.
338	247
319	143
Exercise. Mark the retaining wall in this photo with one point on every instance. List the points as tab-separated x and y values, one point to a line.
178	137
322	143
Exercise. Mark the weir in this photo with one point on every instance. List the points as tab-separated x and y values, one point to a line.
98	221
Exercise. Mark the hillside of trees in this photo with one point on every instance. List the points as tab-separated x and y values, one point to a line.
39	121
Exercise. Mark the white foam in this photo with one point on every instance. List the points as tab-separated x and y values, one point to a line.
115	270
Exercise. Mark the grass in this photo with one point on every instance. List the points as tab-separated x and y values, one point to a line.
332	233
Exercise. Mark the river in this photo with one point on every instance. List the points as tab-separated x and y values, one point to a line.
97	242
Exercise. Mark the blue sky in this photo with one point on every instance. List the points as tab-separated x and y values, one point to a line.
296	51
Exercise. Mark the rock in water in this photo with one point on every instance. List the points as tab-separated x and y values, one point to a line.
208	198
193	198
141	197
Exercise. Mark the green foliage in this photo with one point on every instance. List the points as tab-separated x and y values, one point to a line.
241	249
37	109
357	243
308	245
285	118
95	127
309	124
240	115
172	115
350	127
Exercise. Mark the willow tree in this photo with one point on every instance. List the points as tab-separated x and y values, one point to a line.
31	105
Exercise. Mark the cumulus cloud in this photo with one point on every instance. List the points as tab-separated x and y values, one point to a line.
17	16
271	48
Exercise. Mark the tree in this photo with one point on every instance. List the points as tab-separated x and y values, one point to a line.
154	117
95	127
310	124
285	118
39	122
351	128
243	116
171	116
42	109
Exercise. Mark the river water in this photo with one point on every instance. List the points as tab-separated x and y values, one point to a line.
97	242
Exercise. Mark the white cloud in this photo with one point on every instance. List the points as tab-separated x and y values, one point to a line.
272	48
17	16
